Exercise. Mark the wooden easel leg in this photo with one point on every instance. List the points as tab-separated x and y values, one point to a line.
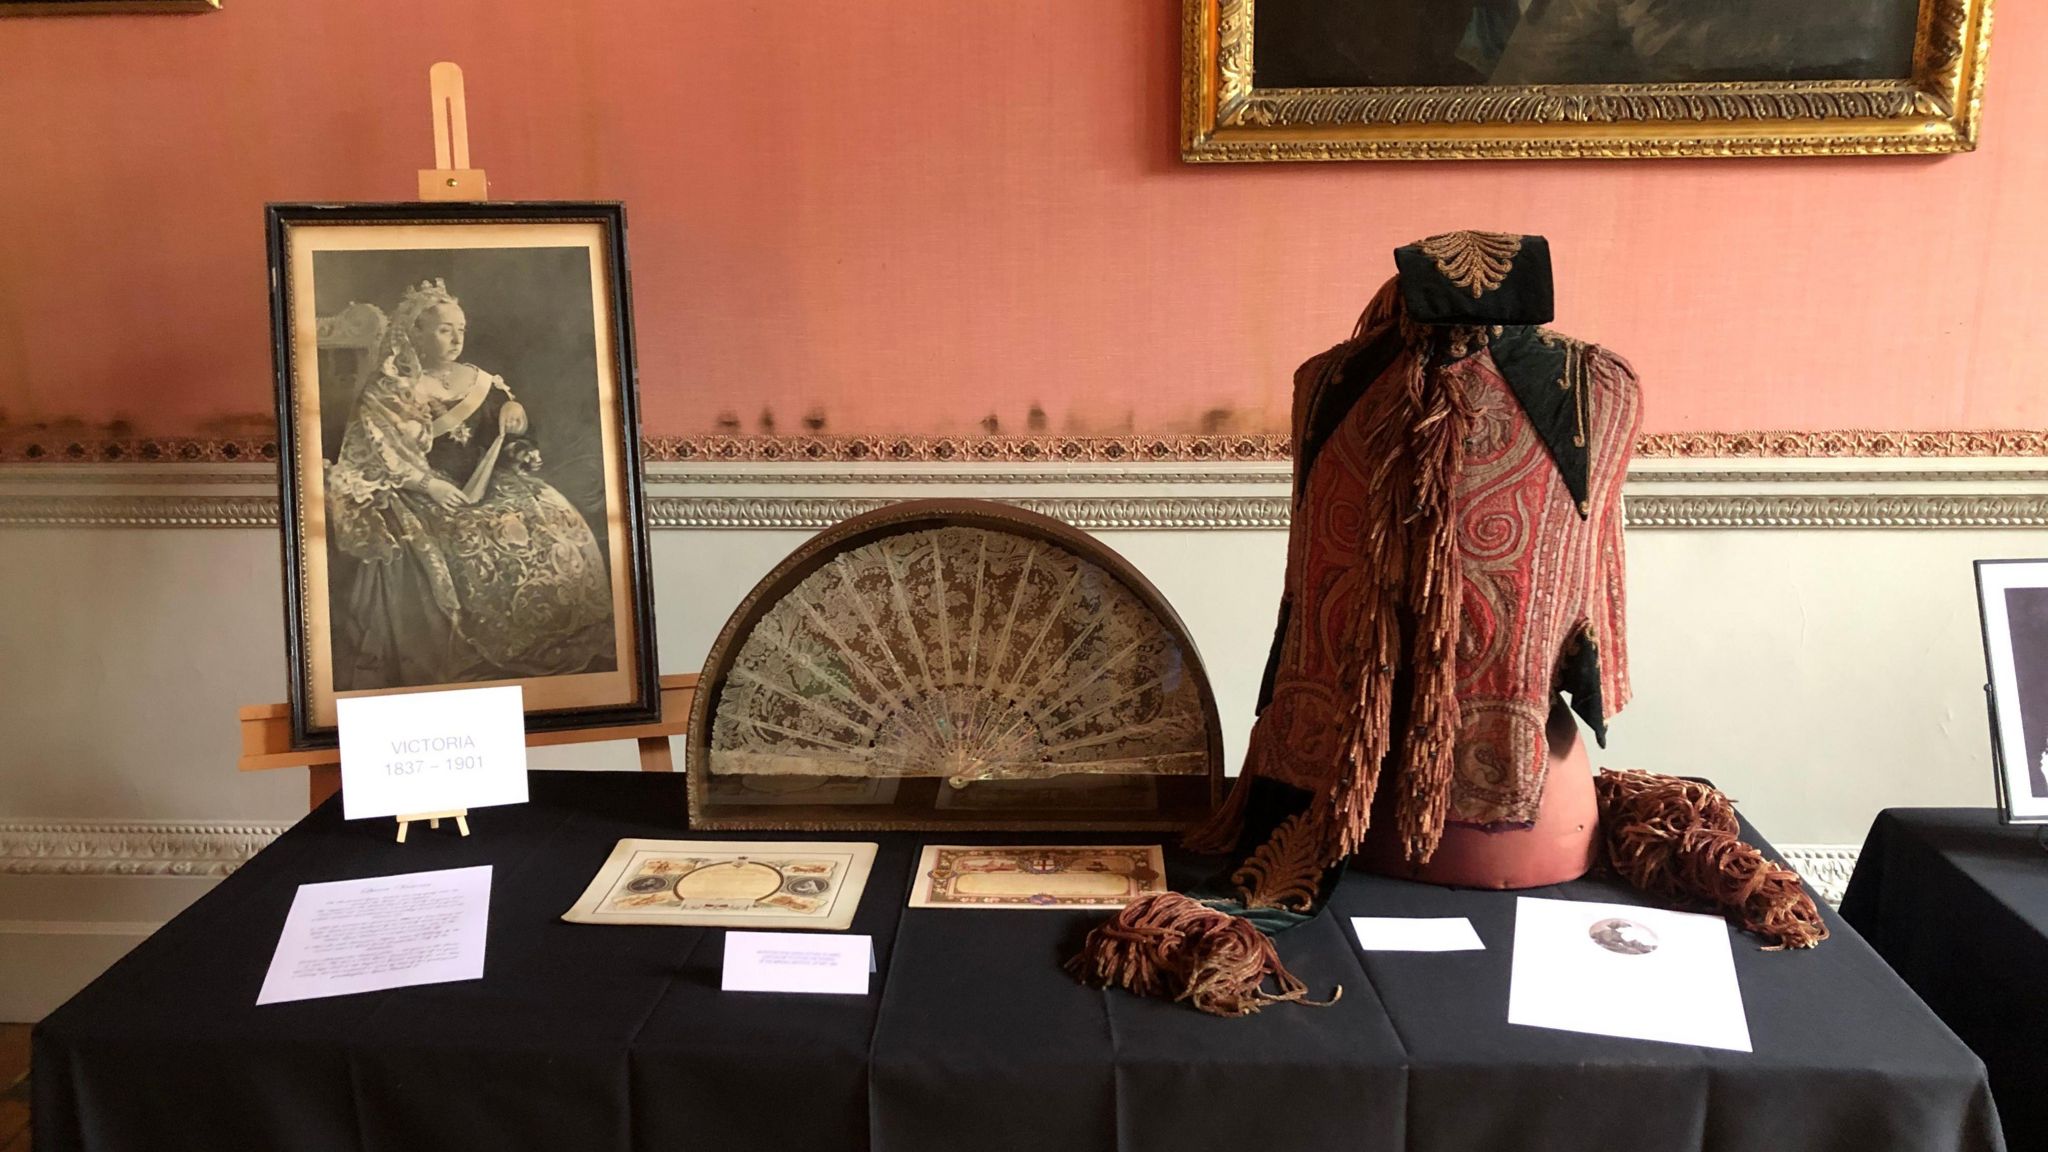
655	755
322	781
433	819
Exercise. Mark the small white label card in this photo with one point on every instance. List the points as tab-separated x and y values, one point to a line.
432	751
797	962
1620	970
1416	934
387	932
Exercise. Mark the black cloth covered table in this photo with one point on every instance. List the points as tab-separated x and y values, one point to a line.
1958	903
617	1037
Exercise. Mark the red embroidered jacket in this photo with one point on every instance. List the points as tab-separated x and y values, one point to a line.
1537	507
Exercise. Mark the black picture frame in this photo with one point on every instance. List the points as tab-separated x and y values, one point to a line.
2016	669
508	237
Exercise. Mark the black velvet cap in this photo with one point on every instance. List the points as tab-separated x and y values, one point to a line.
1477	278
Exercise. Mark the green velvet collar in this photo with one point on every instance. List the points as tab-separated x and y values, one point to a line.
1547	373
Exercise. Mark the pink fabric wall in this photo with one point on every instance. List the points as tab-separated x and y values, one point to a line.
908	215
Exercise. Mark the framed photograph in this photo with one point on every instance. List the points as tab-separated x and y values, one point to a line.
459	458
1506	79
2012	599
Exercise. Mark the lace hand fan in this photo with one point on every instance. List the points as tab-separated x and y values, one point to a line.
953	663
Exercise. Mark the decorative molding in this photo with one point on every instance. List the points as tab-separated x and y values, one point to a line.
1826	867
1093	512
151	848
169	510
1655	470
1914	511
1120	513
81	447
1243	473
138	929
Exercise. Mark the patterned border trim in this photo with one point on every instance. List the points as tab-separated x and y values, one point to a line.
1828	445
793	513
1833	476
1827	867
1235	473
56	848
1249	473
49	448
31	448
969	449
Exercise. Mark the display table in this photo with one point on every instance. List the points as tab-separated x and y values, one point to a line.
586	1037
1959	904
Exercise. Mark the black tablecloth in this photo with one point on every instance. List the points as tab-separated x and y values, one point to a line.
1959	904
603	1037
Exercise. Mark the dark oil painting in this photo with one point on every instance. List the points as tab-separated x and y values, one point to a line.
1397	43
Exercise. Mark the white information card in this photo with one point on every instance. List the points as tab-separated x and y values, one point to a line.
386	932
1416	934
797	962
432	751
1620	970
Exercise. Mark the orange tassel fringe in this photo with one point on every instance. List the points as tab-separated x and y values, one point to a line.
1177	948
1679	839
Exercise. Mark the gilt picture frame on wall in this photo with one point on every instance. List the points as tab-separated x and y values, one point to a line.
2012	603
459	458
102	7
1266	80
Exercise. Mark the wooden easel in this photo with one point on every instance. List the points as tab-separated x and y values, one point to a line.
451	177
267	728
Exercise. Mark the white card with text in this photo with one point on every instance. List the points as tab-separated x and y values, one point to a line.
432	751
797	962
349	936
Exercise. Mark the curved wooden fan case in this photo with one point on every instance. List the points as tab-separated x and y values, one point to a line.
953	664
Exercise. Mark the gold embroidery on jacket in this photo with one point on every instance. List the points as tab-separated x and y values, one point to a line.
1573	379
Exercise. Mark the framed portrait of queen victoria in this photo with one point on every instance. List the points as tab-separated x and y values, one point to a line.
459	459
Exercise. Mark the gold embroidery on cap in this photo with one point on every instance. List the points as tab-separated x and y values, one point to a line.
1475	261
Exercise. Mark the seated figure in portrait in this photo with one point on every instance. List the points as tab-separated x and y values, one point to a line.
1373	43
468	565
1692	41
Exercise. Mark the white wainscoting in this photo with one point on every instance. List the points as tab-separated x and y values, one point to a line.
1803	632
